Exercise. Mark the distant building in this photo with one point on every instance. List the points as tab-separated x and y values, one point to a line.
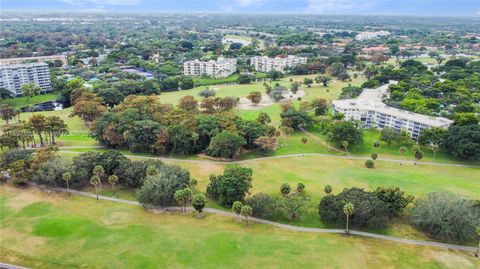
139	72
221	68
51	58
13	76
369	109
266	64
371	35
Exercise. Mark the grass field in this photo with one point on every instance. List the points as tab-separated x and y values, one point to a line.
46	230
22	101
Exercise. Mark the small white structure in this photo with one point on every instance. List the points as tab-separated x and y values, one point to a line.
266	64
221	68
371	35
369	109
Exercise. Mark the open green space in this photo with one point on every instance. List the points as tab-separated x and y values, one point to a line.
19	102
47	230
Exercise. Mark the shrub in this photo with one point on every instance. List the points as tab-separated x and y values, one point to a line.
394	198
207	93
446	216
369	164
262	204
50	172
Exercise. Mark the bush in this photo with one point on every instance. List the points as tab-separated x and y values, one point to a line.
207	93
369	164
446	216
370	211
159	189
262	204
394	198
232	186
50	172
13	155
225	145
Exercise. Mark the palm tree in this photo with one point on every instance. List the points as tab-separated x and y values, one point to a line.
246	212
403	151
95	181
113	179
345	145
67	177
348	210
329	139
434	148
99	172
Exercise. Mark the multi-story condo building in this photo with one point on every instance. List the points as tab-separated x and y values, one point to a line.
221	68
369	109
13	76
266	64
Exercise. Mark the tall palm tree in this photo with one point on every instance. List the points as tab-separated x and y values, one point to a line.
95	181
348	210
403	151
434	148
67	177
113	179
345	145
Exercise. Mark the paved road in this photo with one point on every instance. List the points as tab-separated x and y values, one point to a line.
285	226
283	157
10	266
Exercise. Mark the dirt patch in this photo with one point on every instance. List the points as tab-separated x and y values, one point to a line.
246	104
451	260
116	218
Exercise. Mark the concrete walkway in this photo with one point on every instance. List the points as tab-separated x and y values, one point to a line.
280	225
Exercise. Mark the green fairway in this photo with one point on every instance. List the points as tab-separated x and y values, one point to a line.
22	101
46	230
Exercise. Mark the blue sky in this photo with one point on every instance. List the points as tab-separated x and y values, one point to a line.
387	7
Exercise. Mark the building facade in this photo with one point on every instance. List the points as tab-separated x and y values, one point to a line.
221	68
369	109
13	76
266	64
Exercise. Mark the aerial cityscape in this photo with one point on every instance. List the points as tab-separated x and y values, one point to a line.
239	133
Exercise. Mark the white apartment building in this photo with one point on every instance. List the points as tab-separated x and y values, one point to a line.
371	35
221	68
369	109
13	76
266	64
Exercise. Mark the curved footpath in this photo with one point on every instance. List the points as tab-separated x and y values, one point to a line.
280	225
272	157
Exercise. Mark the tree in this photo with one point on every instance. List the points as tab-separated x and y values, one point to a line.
285	189
275	75
55	127
232	186
376	144
182	197
348	210
293	203
324	80
327	189
300	187
95	181
29	90
262	204
113	180
246	212
446	216
319	106
329	138
295	87
308	82
464	142
395	199
67	177
7	112
159	189
403	151
434	148
388	135
418	156
266	144
225	145
433	135
99	172
111	96
37	123
245	79
374	156
237	208
188	103
369	164
345	146
198	203
255	97
346	131
263	118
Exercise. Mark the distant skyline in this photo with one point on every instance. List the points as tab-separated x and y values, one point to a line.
326	7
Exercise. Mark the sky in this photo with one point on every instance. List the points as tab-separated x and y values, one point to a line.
359	7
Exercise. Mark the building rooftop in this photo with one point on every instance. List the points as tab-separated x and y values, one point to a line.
23	65
371	99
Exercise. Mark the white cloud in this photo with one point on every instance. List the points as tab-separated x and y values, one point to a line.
247	3
338	6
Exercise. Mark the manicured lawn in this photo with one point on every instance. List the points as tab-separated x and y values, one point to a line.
46	230
22	101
